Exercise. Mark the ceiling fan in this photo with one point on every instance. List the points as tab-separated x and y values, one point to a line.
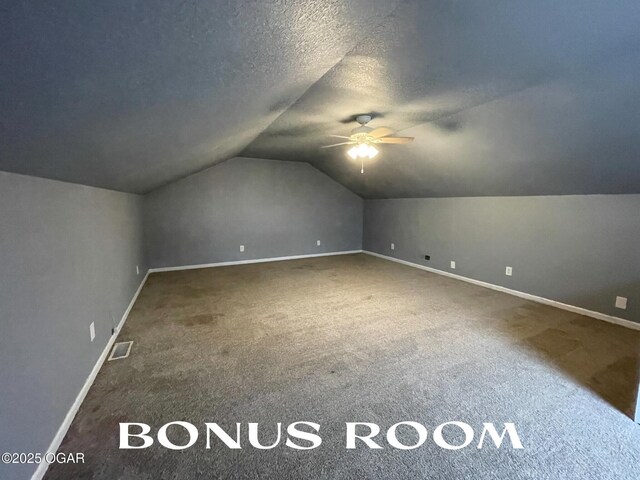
364	138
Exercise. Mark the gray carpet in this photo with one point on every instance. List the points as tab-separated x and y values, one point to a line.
356	338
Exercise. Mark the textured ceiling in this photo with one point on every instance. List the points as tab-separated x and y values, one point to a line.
130	95
508	97
503	97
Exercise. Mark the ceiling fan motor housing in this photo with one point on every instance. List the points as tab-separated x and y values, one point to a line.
361	131
363	119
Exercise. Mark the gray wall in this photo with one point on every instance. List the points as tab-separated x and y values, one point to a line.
68	256
271	207
580	250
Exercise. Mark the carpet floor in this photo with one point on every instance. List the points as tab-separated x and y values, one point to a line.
355	338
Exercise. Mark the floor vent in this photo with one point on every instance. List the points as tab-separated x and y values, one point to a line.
120	350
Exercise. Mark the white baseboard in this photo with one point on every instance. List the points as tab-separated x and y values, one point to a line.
527	296
255	260
62	431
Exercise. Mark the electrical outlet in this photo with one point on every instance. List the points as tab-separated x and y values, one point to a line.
92	331
393	246
621	302
137	270
508	271
242	248
318	243
453	264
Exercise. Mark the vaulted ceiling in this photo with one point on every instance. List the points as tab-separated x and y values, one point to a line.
504	97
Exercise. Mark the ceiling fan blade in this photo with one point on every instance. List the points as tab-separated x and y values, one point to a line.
338	144
380	132
395	140
338	136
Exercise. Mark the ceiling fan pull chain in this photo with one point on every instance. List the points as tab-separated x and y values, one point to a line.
362	165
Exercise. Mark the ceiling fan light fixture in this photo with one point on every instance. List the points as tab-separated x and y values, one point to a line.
363	150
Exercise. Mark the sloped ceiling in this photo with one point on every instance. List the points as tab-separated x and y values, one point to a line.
508	97
132	94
